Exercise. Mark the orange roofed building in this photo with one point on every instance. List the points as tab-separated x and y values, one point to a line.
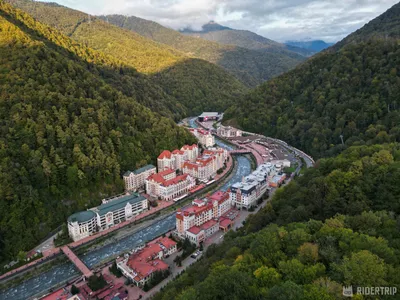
174	160
140	266
167	186
201	219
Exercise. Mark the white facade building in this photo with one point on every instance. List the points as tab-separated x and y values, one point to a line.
165	161
112	212
167	186
192	152
245	194
228	131
201	219
136	179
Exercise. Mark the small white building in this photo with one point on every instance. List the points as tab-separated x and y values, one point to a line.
228	131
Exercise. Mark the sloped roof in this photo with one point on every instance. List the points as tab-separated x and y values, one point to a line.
165	154
118	203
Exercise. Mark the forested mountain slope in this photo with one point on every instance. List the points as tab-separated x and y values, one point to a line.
66	135
338	225
160	63
386	26
250	66
352	91
246	39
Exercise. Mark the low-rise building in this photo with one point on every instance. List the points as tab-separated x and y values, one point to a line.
206	166
140	266
136	179
113	211
228	131
277	180
167	186
210	116
245	194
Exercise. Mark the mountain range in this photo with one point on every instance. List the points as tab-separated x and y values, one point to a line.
314	46
215	32
248	65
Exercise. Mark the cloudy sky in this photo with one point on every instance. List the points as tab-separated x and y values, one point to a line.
281	20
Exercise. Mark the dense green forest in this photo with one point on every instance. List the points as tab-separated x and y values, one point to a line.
250	66
339	223
353	93
336	225
159	66
66	134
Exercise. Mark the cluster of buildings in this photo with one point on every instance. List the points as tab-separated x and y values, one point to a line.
112	291
204	217
112	211
141	266
228	131
176	177
204	137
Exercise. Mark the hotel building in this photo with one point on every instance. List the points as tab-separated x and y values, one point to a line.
245	194
167	186
205	138
192	152
174	160
201	219
140	266
113	211
136	179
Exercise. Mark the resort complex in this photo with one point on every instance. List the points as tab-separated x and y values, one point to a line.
113	211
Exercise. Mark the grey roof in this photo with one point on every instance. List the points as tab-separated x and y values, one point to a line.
141	170
82	216
209	114
118	203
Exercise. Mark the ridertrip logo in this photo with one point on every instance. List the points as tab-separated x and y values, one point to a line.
370	290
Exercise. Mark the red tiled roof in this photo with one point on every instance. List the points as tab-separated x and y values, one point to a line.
187	147
225	222
175	180
159	177
165	154
208	224
167	242
219	196
176	151
195	230
190	165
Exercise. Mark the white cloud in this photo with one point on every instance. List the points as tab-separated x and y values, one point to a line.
280	20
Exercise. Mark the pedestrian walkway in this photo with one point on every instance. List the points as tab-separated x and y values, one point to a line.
77	262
